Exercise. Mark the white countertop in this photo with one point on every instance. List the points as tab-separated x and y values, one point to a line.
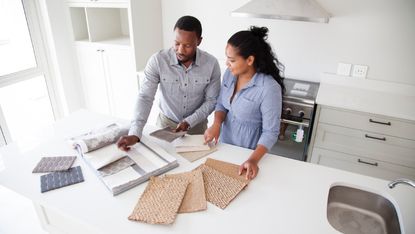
287	196
376	97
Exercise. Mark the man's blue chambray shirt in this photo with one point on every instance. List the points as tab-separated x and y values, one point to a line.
185	94
253	117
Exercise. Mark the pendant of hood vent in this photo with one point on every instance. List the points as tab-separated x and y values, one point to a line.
298	10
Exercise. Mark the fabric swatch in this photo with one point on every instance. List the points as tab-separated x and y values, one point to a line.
167	134
104	156
190	143
195	155
122	177
220	188
116	166
195	198
51	164
60	179
226	168
160	201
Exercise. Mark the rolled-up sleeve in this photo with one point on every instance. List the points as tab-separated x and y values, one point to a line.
210	98
271	116
145	97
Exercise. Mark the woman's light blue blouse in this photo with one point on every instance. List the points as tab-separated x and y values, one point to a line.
253	117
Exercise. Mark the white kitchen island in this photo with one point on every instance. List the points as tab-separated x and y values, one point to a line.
287	196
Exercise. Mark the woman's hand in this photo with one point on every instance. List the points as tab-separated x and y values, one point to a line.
212	133
125	142
251	167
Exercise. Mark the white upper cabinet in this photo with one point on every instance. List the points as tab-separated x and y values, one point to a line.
104	25
97	2
113	40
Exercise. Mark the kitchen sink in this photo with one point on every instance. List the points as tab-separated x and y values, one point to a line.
355	211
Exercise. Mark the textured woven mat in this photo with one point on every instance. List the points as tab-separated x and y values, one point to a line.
51	164
160	201
59	179
195	155
226	168
220	189
195	198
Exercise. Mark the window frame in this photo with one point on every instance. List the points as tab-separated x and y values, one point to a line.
36	26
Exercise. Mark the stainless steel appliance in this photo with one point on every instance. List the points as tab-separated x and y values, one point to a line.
298	110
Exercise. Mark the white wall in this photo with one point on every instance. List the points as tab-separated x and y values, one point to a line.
377	33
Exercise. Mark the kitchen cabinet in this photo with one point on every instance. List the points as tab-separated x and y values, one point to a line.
112	41
108	79
365	143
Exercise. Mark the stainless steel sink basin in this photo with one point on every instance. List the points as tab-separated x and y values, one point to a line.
351	210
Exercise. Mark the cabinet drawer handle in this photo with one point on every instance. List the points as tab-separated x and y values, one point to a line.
376	138
378	122
368	163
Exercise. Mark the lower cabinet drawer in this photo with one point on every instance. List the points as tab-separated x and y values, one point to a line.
377	147
368	122
361	165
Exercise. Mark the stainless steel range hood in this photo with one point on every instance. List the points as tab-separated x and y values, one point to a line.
299	10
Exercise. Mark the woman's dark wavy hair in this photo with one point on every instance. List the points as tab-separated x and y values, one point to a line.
253	42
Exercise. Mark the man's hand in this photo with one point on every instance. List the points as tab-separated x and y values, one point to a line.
125	142
183	126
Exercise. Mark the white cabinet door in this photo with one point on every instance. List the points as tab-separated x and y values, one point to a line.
123	84
94	80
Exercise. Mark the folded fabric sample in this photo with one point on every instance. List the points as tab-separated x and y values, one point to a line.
195	155
56	180
104	156
99	138
50	164
160	201
167	134
226	168
190	143
195	198
116	166
220	188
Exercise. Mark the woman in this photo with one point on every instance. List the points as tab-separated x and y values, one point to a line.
248	110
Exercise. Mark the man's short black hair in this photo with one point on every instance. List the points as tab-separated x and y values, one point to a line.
189	23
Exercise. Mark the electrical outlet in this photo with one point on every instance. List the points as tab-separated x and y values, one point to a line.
344	69
359	71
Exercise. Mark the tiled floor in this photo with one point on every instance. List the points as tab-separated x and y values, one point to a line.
17	215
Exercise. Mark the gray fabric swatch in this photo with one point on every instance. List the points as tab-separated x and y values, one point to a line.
167	134
60	179
51	164
116	166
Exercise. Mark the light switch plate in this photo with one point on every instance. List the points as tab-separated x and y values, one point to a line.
344	69
359	71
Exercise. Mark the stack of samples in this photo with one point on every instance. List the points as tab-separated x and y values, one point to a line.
193	147
214	181
61	172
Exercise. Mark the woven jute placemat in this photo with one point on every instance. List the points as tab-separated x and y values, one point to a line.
226	168
195	198
160	201
220	189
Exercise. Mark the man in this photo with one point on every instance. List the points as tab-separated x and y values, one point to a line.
189	81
